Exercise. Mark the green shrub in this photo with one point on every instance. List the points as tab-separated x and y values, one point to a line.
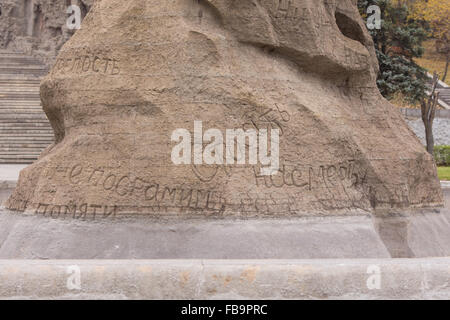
442	155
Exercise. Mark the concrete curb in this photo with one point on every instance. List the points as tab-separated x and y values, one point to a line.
226	279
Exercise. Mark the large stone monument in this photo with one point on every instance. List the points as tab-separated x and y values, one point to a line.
140	70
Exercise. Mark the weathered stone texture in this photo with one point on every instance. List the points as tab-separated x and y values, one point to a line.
138	70
37	27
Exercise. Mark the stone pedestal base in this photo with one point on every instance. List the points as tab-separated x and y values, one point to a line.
407	235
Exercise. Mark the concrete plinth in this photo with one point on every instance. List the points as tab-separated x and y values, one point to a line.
226	279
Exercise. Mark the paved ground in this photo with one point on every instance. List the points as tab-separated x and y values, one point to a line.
10	172
441	130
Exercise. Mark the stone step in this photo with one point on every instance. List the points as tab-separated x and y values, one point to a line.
46	134
20	153
21	150
26	99
20	77
18	88
35	71
24	136
22	72
20	102
19	62
11	159
21	95
13	108
33	139
26	125
36	150
25	130
35	84
31	156
4	132
30	102
20	111
15	87
29	126
9	79
16	99
24	118
24	66
7	84
24	146
35	123
13	97
6	101
6	52
22	59
18	85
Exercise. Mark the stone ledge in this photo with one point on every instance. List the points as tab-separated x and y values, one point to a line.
226	279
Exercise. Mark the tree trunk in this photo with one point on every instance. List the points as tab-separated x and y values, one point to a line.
446	67
429	137
428	113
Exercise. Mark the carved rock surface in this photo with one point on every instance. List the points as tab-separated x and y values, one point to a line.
37	27
140	69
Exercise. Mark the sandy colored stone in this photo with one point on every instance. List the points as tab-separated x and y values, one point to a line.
138	70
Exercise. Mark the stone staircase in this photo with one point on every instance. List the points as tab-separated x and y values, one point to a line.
444	92
24	128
